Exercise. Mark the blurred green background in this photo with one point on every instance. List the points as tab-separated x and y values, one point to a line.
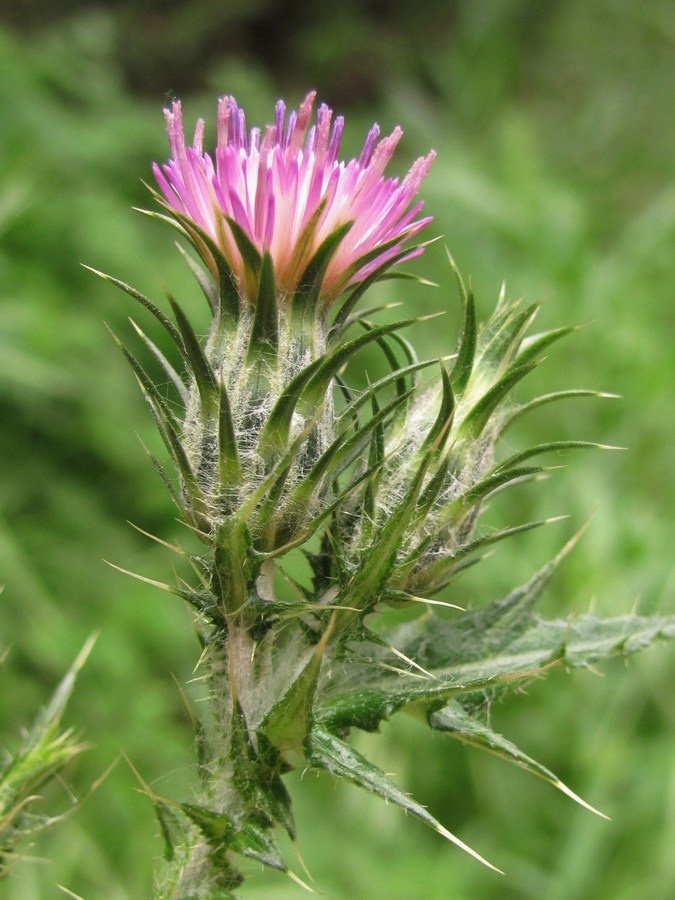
556	139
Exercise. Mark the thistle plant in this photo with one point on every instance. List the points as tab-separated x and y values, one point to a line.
274	450
43	752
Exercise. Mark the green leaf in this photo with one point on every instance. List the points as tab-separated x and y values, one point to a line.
551	447
367	706
288	722
204	281
506	632
275	432
436	574
228	456
328	753
43	752
472	634
166	323
208	250
363	590
275	797
440	430
334	360
256	843
461	372
165	422
589	639
430	493
264	331
532	347
375	462
341	319
553	397
455	509
171	827
456	722
306	295
200	367
249	252
298	538
343	450
176	450
500	340
311	384
475	421
173	376
356	402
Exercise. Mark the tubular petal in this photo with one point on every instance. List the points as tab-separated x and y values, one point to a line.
278	187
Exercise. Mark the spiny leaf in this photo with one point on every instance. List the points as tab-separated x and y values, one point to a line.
275	433
456	722
327	752
375	461
304	534
461	372
436	574
288	722
377	561
366	707
264	331
277	800
145	380
311	384
171	827
390	356
174	446
201	369
173	376
430	493
229	298
371	255
476	634
334	360
475	421
204	281
343	449
532	347
217	827
439	431
354	403
228	456
500	345
308	291
498	340
341	319
553	397
44	750
256	843
455	509
525	646
551	447
165	422
166	323
249	252
201	241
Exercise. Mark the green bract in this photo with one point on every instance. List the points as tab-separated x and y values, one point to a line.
43	752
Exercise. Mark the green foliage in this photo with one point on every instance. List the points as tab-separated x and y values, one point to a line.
42	754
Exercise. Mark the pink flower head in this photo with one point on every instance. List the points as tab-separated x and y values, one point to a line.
287	191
